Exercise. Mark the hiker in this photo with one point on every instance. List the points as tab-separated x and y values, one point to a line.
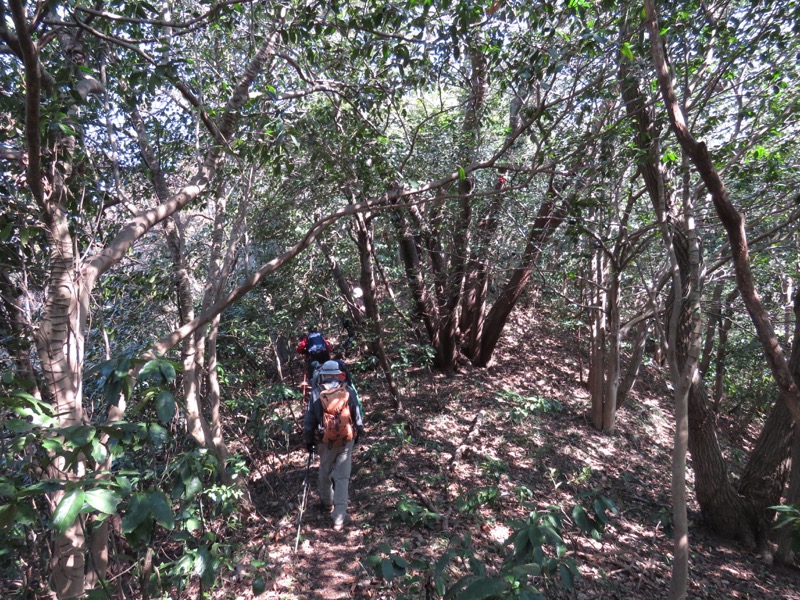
333	423
315	348
348	379
315	375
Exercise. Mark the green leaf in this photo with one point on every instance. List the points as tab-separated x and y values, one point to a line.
80	435
99	451
18	425
68	509
482	588
193	486
387	569
609	504
151	368
161	510
157	435
399	561
165	406
8	514
567	577
626	51
259	586
204	566
104	501
462	174
582	519
7	488
138	511
530	593
168	371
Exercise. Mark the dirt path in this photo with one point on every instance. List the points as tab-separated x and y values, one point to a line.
329	560
328	563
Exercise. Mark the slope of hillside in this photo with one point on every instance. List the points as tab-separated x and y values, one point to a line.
478	454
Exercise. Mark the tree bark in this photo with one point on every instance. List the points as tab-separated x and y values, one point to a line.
547	221
635	362
730	218
367	280
60	339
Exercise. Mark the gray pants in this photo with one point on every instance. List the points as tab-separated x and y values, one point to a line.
334	476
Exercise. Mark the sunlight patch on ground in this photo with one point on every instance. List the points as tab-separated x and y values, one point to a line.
499	533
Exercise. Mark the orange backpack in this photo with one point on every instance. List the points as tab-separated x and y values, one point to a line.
337	425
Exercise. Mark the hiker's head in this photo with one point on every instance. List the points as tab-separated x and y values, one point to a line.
330	371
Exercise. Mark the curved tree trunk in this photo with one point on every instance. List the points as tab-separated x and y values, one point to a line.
345	289
547	221
367	280
719	502
60	339
635	362
730	218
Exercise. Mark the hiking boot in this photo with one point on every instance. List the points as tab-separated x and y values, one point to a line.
338	524
326	508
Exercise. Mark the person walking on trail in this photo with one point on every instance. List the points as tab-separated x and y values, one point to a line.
348	379
314	347
333	423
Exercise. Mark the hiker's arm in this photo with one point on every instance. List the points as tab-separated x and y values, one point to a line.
301	346
355	409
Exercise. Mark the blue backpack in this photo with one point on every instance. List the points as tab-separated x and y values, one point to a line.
316	343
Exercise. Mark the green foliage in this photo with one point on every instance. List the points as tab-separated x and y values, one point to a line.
386	564
412	513
523	407
474	499
538	556
789	517
592	515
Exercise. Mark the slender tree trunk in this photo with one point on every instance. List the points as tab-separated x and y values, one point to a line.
367	280
426	309
473	309
721	506
632	371
345	289
729	217
612	360
547	221
714	317
60	339
722	354
597	354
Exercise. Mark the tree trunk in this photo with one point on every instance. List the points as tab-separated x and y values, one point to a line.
613	351
719	503
367	280
722	354
597	347
345	289
60	344
60	339
729	217
547	221
635	362
425	308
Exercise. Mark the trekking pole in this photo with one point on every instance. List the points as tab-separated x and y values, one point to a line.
303	500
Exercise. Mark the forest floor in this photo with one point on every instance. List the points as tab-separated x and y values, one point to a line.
425	486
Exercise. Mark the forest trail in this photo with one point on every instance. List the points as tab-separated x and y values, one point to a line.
535	450
329	561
